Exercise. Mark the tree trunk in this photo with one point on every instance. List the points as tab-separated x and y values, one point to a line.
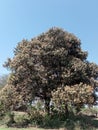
47	105
66	111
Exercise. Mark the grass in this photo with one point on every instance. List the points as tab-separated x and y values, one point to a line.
3	128
32	128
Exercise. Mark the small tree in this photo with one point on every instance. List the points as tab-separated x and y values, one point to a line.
44	63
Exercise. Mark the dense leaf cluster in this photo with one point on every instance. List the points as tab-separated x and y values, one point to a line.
73	96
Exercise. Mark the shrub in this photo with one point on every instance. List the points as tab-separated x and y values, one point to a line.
36	118
51	122
90	111
22	120
11	120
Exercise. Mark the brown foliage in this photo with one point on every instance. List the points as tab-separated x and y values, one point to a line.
75	95
44	63
10	99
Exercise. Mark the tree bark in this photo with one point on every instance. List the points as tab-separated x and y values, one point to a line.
66	111
47	105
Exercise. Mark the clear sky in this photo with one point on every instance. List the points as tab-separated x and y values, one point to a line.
25	19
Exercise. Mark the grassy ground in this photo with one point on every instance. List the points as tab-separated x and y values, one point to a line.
5	128
34	128
37	129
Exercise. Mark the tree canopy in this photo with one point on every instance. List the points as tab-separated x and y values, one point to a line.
51	60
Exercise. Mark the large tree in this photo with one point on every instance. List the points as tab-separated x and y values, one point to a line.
51	60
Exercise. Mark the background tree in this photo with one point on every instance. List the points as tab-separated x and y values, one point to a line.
3	80
53	59
10	100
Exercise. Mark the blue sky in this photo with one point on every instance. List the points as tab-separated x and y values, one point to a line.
25	19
